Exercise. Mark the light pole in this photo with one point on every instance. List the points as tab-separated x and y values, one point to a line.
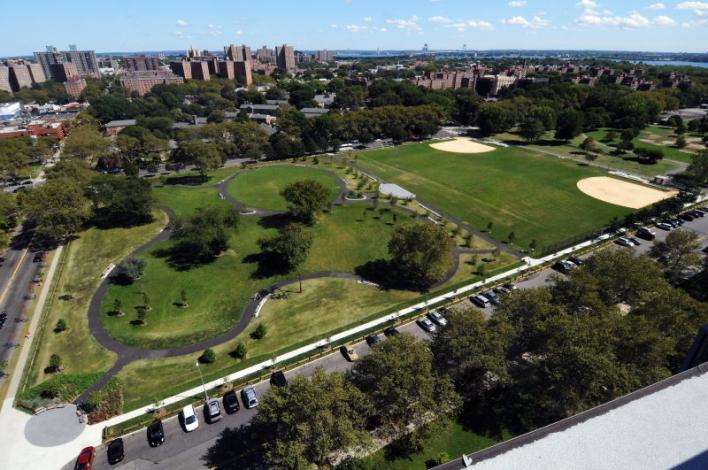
206	397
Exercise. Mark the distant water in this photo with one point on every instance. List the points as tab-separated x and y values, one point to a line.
675	63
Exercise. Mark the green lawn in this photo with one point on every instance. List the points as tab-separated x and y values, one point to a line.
185	200
217	292
260	188
85	259
520	191
655	134
323	306
453	440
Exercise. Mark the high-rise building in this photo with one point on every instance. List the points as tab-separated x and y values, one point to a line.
182	68
142	63
74	86
85	61
63	72
243	72
20	76
142	82
37	73
200	70
5	78
265	55
238	53
192	52
325	56
285	58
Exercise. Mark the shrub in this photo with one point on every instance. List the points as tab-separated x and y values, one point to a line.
61	326
129	270
55	363
260	332
208	357
239	352
105	403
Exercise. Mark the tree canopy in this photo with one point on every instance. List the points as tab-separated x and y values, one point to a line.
305	199
421	253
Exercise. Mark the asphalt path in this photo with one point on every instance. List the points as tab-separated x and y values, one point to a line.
185	451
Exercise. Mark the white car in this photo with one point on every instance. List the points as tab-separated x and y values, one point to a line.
624	242
426	325
189	418
437	318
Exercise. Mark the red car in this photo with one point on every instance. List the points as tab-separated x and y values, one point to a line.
85	460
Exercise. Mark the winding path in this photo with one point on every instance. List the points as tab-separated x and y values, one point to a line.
127	354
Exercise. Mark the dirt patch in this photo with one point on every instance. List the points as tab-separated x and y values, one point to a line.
462	145
622	193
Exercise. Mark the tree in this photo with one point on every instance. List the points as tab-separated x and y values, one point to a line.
305	199
570	124
406	393
494	118
61	326
117	306
129	270
204	155
698	169
312	419
531	129
58	208
55	363
511	237
203	236
260	331
681	141
183	299
146	302
239	352
85	143
490	224
590	145
678	252
290	247
208	356
121	201
421	253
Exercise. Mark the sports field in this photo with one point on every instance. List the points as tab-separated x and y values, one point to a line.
532	195
260	188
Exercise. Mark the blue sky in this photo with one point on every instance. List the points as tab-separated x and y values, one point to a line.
133	25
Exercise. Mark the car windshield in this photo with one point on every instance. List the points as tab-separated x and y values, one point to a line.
190	419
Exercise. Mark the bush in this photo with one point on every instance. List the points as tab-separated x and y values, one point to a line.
55	363
646	155
129	270
260	332
105	403
208	357
239	352
61	326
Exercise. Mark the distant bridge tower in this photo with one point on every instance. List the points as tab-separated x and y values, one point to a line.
425	47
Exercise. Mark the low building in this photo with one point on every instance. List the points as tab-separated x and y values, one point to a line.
270	109
142	82
75	86
314	112
10	110
114	127
37	128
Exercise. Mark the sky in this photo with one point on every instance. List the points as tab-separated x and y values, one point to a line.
141	25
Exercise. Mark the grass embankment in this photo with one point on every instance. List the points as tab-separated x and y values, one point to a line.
260	188
518	190
86	258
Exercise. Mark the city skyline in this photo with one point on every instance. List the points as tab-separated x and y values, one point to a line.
362	24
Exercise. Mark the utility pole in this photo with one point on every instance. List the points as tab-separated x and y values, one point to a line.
206	397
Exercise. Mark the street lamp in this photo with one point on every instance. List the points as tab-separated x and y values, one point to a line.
206	397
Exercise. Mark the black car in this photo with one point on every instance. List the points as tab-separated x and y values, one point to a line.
391	331
645	233
115	451
155	434
576	261
373	339
230	401
687	217
278	379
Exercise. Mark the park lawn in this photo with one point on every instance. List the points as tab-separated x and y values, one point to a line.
218	291
85	258
468	269
193	178
452	440
185	200
325	305
520	191
670	151
260	188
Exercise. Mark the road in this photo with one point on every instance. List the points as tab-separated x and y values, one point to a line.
186	450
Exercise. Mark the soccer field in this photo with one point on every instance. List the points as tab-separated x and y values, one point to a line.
532	195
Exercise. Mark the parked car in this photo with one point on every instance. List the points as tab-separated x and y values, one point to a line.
85	459
156	434
678	222
664	226
248	395
624	242
116	451
426	324
501	290
349	353
278	379
231	404
493	297
687	217
634	241
391	331
189	419
374	339
564	267
437	318
480	301
576	261
697	213
646	233
212	411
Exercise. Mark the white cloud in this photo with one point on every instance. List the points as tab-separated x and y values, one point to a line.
368	19
699	8
409	24
181	23
533	23
517	3
587	4
439	19
633	21
355	28
657	6
182	35
239	33
214	26
471	24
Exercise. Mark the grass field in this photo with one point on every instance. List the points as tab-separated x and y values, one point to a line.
186	200
260	188
85	259
532	195
323	306
217	292
650	138
453	440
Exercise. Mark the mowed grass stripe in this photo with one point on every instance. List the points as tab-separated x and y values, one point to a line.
535	196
